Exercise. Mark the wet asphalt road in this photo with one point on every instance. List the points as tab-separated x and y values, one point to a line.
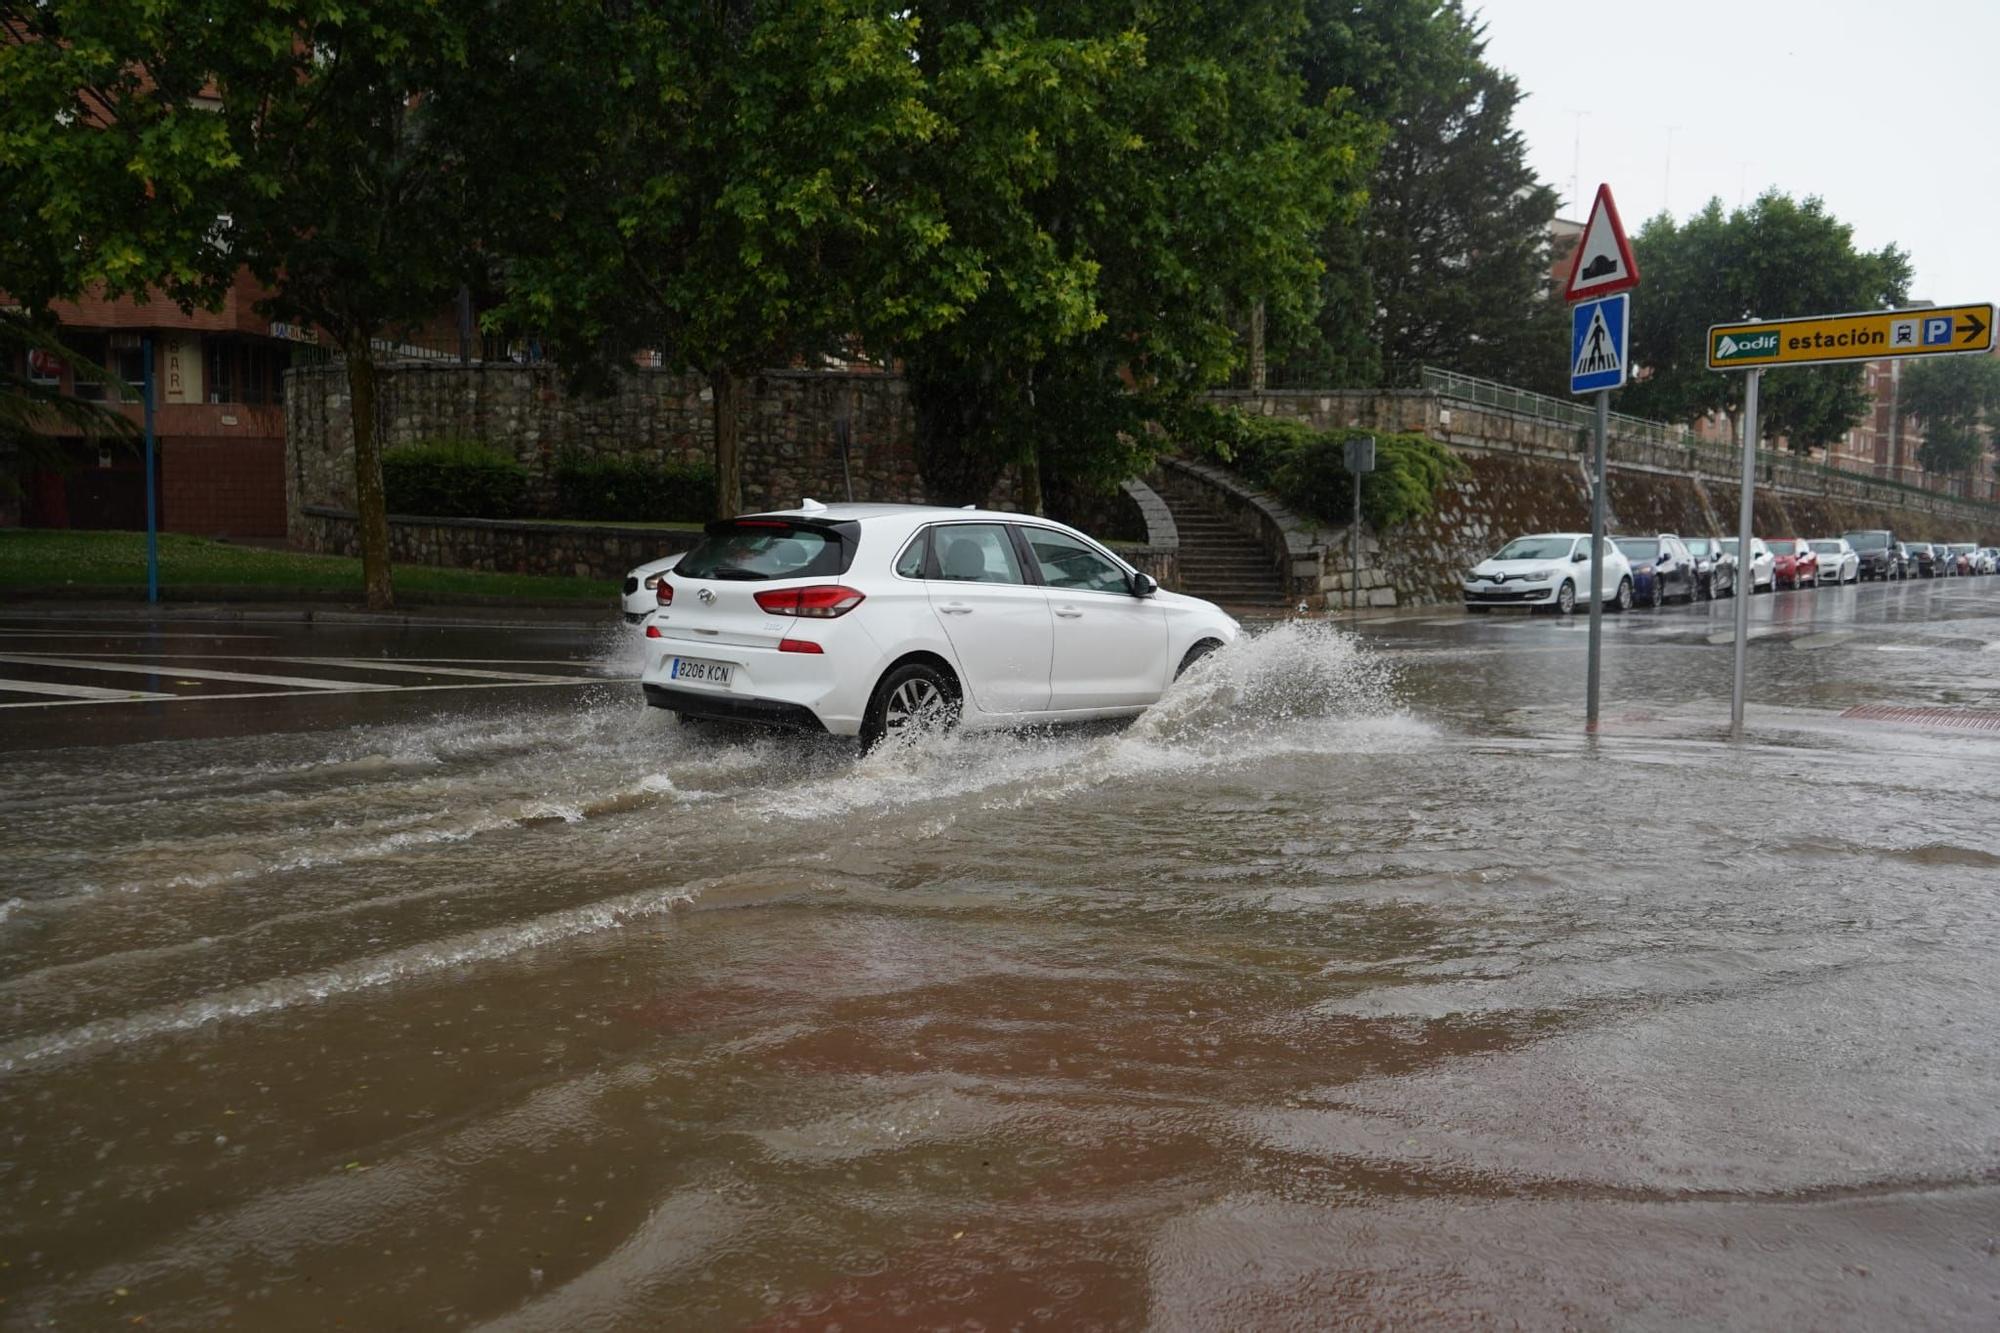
429	980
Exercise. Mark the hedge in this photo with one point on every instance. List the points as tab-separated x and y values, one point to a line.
633	490
454	479
1304	467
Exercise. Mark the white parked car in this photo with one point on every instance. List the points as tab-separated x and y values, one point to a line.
860	619
1838	561
1763	575
639	598
1549	570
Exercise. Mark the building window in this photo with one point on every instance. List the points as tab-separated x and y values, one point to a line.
44	368
86	374
220	369
128	363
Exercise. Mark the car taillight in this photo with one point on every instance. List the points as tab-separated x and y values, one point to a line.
653	632
800	646
664	594
823	601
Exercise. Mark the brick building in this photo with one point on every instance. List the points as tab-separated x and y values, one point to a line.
218	420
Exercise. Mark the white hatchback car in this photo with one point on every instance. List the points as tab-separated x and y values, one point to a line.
1548	570
861	619
1838	562
1763	572
639	597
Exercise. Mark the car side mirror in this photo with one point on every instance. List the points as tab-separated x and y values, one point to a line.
1579	557
1144	585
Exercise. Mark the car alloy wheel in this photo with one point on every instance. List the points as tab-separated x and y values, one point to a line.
1659	594
914	695
1566	599
1623	602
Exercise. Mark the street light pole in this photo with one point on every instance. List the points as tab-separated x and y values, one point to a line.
152	486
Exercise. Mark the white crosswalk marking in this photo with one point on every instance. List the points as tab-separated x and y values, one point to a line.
94	692
422	675
156	667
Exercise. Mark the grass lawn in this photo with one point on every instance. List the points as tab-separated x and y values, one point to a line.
56	558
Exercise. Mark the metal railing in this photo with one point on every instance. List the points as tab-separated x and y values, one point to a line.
1476	392
1725	456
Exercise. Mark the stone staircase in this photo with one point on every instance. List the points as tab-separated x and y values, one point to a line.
1218	561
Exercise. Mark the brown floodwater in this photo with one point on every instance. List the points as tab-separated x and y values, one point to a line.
1348	987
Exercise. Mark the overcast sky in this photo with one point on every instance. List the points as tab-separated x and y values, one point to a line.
1884	110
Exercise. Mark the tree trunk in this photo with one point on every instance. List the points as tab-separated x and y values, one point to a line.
956	409
1257	345
1029	496
371	506
727	388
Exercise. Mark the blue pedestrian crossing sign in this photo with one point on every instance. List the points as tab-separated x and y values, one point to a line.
1599	334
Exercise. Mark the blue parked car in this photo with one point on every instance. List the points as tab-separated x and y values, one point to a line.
1662	567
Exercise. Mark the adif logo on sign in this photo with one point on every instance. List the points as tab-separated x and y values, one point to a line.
1748	347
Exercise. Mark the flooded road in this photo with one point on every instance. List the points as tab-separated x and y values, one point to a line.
1351	986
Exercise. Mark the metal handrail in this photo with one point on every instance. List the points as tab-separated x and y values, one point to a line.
1476	392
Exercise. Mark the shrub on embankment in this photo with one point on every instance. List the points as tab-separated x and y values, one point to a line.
633	490
459	478
1305	467
454	479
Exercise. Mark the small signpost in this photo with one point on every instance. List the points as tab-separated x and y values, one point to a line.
1601	277
1359	456
1817	340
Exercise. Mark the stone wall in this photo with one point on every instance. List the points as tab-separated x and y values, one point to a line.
500	545
1526	474
791	449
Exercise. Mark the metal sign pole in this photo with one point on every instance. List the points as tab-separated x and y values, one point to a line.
1596	590
152	507
1354	551
1746	574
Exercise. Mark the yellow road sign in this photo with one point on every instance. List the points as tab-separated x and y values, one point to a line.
1870	336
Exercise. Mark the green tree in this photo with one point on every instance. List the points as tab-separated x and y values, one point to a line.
1126	176
1449	264
1776	258
295	141
1956	398
737	190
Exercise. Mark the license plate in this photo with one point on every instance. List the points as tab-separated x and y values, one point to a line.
700	672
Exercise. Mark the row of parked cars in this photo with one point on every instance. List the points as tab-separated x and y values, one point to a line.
1549	571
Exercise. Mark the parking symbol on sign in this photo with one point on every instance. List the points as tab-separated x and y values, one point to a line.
1937	332
1903	333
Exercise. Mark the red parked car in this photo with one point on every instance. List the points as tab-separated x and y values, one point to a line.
1796	565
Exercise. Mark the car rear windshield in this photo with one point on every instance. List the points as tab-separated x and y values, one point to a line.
1536	548
762	549
1868	541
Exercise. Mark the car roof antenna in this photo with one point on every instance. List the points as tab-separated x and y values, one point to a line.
812	506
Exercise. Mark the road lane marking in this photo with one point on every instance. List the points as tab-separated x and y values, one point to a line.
156	667
410	665
90	693
376	690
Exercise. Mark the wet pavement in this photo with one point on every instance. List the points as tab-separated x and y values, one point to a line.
1353	985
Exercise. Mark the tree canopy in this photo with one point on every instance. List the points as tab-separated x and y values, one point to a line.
1449	263
1957	398
1778	257
1125	176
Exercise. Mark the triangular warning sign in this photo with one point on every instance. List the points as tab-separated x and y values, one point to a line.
1603	262
1599	352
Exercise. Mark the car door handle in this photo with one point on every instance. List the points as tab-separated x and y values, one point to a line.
1068	612
956	609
